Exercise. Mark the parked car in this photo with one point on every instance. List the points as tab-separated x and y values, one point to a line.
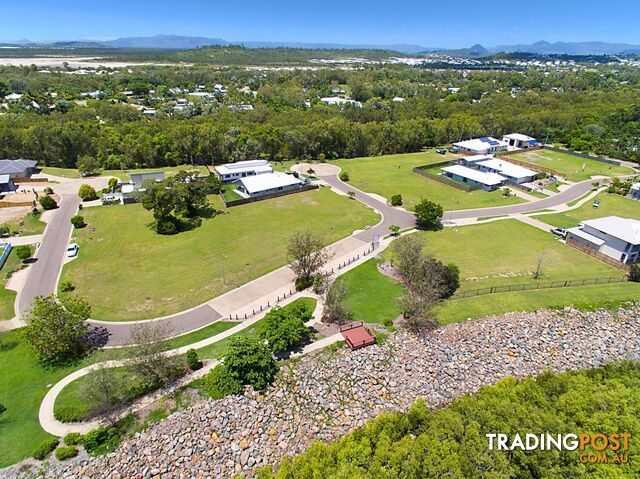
561	232
442	151
454	149
596	203
72	250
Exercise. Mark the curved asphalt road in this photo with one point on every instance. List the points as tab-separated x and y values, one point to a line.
43	277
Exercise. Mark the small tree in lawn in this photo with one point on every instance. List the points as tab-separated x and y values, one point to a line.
428	214
396	200
351	195
250	361
335	308
56	329
344	176
78	221
103	390
193	361
87	193
4	230
48	203
307	256
23	252
148	360
394	230
88	165
539	264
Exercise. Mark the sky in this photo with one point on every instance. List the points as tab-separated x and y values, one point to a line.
429	23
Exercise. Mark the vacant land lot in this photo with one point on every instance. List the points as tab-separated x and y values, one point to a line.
127	271
30	224
571	166
392	174
373	297
122	174
610	205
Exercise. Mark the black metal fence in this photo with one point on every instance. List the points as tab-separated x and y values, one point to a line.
533	286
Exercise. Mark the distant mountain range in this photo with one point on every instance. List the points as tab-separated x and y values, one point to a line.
178	42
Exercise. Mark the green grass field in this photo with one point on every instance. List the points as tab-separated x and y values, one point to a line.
24	385
392	174
72	395
8	297
121	174
610	205
372	295
582	297
127	271
506	252
571	166
29	225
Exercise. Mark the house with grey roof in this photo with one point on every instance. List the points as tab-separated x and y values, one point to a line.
613	236
18	168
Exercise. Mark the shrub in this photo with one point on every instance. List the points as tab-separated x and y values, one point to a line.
351	194
66	452
87	193
396	200
78	221
193	361
48	203
634	273
344	176
394	230
73	439
4	230
284	329
428	214
318	284
250	361
23	252
70	413
219	382
67	286
101	440
45	448
48	190
303	283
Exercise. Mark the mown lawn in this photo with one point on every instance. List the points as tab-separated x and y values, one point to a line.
127	271
582	297
30	224
8	297
25	383
610	205
122	174
571	166
373	297
392	174
72	394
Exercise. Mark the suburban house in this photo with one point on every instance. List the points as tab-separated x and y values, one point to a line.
242	169
514	173
471	177
519	141
18	168
255	186
137	179
336	100
613	236
6	184
481	146
635	191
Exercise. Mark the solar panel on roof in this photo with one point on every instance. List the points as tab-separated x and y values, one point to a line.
484	138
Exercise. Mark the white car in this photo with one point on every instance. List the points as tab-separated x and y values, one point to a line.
72	250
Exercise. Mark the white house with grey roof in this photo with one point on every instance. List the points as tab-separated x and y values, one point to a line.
515	173
471	177
518	141
482	146
242	169
616	237
18	168
267	184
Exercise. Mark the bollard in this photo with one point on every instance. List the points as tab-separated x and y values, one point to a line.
260	307
253	311
245	315
236	317
268	304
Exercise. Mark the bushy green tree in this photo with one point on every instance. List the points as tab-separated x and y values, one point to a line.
428	214
78	221
23	252
284	329
56	330
220	382
396	200
250	361
48	203
87	193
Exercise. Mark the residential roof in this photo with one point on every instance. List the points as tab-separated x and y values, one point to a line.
268	181
9	167
259	166
626	229
476	158
489	179
636	186
139	178
519	137
479	144
4	179
507	169
586	236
